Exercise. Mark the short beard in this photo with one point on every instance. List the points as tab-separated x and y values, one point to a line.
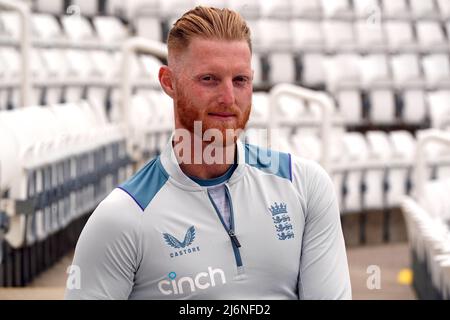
187	114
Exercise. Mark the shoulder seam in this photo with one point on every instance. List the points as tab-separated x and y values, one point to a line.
131	196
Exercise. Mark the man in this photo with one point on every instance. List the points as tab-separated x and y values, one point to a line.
211	218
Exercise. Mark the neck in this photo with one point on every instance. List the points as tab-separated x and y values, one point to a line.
203	160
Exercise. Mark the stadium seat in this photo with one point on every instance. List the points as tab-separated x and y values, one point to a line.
436	68
109	29
281	68
370	36
374	70
308	35
149	27
86	7
281	9
382	106
78	28
339	35
350	106
399	177
342	71
247	8
430	36
414	106
337	9
276	35
395	9
439	108
423	9
444	8
313	71
406	70
306	9
56	7
400	35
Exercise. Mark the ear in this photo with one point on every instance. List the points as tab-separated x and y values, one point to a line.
165	76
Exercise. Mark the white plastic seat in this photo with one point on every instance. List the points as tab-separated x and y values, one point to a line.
46	27
11	24
400	35
342	71
356	153
257	69
406	70
422	8
403	152
56	66
370	36
339	35
149	27
109	29
282	68
313	72
365	8
260	110
382	106
247	8
175	8
81	69
395	8
78	28
430	35
307	35
306	8
374	71
306	145
439	108
414	106
276	34
53	6
86	7
444	8
150	67
350	106
379	153
436	68
290	110
336	8
276	9
11	72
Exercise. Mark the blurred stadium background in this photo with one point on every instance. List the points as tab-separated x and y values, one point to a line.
361	86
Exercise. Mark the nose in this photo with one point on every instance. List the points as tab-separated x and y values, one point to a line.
226	95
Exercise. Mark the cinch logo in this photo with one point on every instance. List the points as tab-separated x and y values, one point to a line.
177	244
201	281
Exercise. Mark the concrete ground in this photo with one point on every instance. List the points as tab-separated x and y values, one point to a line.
375	271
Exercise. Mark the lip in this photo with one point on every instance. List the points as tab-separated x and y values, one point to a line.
222	115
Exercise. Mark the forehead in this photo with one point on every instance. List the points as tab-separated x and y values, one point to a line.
204	54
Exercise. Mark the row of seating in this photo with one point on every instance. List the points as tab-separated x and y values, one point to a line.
58	162
345	9
428	224
69	75
329	35
71	28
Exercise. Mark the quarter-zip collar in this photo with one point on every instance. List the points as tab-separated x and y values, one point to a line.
177	176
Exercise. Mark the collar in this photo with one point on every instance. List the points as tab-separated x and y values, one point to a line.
170	164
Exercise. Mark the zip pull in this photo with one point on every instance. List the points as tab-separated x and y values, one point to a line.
234	238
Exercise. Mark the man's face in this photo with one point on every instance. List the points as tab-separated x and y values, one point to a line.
213	84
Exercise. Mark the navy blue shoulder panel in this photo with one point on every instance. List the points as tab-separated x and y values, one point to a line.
269	161
145	184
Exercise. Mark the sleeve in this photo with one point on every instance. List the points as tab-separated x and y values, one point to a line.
324	270
107	252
